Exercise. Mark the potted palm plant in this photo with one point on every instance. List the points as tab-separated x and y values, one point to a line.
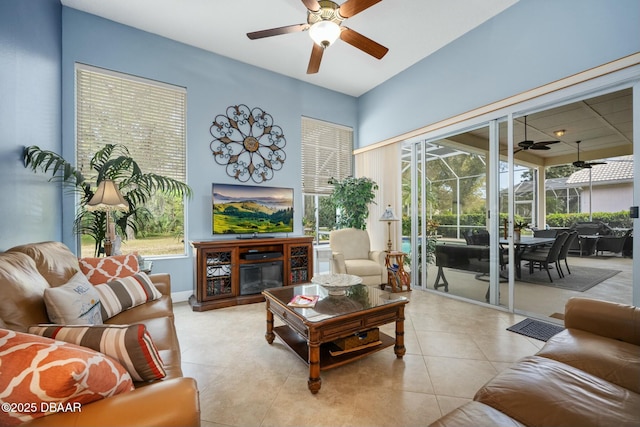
112	162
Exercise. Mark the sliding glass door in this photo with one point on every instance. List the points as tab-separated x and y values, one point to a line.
477	193
448	192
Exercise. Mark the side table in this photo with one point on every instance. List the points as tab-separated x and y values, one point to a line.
397	277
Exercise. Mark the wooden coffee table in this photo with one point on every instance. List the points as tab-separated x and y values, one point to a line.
310	332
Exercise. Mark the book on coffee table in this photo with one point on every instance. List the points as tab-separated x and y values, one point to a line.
304	301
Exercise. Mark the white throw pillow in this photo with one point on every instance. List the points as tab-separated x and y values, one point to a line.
74	303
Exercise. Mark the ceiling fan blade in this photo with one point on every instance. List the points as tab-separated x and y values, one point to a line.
277	31
363	43
353	7
316	57
539	147
525	144
597	163
545	142
312	5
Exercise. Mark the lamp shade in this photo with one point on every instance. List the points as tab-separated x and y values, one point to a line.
107	198
324	33
389	215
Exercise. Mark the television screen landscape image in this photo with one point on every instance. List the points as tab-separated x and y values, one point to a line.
248	209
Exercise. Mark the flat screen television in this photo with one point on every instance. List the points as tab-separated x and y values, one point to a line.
251	209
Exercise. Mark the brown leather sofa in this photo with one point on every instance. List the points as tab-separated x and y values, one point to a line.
587	375
172	401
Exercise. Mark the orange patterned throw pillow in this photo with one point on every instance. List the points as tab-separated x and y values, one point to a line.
40	374
103	270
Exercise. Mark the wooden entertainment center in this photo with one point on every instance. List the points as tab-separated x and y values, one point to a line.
218	265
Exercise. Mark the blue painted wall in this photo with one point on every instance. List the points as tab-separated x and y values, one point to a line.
30	73
530	44
213	83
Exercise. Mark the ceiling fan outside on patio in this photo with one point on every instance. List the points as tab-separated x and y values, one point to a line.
528	144
324	22
582	164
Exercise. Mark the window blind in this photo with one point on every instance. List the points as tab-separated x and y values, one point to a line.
146	116
327	151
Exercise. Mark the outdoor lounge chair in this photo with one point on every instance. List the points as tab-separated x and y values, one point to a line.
613	244
588	235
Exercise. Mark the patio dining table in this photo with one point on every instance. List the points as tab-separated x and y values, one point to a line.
526	243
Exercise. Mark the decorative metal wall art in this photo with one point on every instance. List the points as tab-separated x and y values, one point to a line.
248	143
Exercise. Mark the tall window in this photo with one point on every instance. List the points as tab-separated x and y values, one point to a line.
149	118
327	152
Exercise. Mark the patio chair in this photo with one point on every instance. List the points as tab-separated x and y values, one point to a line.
480	238
546	258
564	252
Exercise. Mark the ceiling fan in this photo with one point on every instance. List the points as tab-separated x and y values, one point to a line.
324	22
528	144
582	164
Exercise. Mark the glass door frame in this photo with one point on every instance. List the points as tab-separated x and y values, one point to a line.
494	212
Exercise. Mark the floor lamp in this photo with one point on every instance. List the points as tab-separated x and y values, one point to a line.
388	215
107	198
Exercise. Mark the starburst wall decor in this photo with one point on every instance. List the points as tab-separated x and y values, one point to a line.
248	143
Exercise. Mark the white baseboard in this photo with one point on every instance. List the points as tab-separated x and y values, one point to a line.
181	296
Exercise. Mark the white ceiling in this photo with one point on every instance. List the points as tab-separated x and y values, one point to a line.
411	29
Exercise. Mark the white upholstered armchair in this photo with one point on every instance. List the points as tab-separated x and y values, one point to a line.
351	254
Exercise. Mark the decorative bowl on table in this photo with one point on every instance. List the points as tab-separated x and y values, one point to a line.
336	284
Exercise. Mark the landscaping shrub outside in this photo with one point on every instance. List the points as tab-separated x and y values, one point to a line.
612	219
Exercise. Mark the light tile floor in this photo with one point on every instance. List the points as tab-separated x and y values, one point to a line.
453	348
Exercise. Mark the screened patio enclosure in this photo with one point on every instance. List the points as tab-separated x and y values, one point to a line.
562	195
455	188
475	180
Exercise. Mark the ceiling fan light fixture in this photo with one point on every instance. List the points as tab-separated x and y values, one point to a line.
324	33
